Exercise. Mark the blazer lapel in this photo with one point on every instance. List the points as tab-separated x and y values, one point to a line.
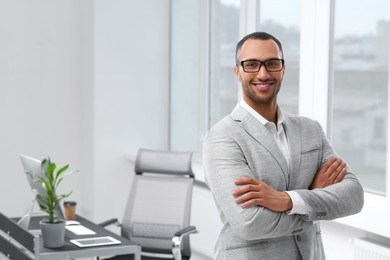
259	132
294	143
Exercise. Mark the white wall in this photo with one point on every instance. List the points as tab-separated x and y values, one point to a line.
40	99
130	96
76	84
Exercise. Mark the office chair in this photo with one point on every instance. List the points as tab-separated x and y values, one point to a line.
157	214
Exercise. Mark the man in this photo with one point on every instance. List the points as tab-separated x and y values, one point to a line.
273	175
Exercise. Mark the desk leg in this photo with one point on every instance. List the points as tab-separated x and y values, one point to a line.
137	255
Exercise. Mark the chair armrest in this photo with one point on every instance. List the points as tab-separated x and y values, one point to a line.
186	231
178	237
109	222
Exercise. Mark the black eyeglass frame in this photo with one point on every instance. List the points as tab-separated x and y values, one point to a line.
261	64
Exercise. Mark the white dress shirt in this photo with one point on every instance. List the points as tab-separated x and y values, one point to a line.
277	131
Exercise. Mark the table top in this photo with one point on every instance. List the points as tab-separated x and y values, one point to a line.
70	250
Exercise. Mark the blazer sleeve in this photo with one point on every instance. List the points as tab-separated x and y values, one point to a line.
224	162
337	200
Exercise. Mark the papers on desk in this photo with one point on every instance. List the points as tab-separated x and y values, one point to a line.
95	241
80	230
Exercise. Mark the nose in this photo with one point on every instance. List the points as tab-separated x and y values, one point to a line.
262	72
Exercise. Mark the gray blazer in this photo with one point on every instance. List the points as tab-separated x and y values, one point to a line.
240	146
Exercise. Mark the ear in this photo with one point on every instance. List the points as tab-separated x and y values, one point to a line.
283	71
236	71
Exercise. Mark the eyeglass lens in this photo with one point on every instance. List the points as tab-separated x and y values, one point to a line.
255	65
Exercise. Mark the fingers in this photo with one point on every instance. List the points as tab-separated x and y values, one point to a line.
246	184
246	198
245	180
249	195
327	165
333	171
249	203
244	189
253	192
336	171
340	176
248	192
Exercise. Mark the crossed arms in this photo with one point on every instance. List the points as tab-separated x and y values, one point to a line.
254	192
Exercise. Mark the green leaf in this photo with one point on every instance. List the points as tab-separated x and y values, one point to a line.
50	181
63	169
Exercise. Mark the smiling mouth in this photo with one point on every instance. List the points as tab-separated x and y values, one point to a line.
263	86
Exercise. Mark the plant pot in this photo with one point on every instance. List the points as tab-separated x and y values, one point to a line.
53	234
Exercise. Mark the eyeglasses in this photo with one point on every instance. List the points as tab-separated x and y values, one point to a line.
254	66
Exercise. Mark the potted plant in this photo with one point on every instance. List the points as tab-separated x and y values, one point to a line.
53	228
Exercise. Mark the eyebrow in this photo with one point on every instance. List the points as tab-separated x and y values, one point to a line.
273	58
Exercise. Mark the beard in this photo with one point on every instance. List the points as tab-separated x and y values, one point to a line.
257	98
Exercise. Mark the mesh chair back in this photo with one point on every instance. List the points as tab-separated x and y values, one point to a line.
150	161
159	202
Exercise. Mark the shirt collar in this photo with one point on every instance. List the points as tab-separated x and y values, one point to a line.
281	117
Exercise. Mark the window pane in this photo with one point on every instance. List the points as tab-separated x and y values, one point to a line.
184	103
281	18
359	102
224	37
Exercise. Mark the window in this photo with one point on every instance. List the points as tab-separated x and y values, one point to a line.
188	101
222	86
358	108
224	36
379	130
281	18
224	93
185	74
360	89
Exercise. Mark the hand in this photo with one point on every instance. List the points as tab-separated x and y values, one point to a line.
333	171
253	192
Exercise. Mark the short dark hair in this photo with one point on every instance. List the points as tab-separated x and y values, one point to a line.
258	36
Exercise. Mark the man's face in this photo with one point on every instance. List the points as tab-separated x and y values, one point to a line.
259	87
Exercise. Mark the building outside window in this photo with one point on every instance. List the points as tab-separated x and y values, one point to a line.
360	89
281	18
223	91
